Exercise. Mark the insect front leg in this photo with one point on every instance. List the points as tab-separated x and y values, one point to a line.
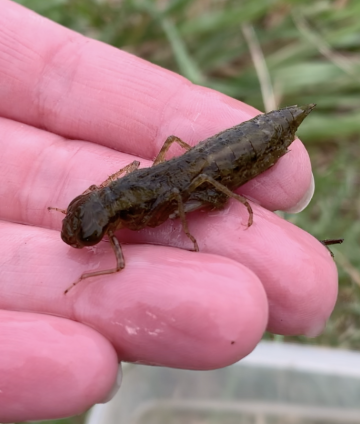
127	169
120	262
166	146
203	178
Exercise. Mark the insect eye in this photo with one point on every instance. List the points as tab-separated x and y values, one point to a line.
91	231
91	236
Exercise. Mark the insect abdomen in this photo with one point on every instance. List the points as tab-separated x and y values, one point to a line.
246	150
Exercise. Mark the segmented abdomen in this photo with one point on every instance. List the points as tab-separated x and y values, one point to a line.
240	153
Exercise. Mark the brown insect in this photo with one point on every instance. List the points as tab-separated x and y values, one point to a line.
204	176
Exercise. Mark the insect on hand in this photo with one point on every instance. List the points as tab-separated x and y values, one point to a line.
203	177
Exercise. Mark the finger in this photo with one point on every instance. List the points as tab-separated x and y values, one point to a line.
39	350
40	169
83	89
168	306
297	271
73	75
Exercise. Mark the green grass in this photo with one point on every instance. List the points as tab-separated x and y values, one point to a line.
269	54
334	213
80	419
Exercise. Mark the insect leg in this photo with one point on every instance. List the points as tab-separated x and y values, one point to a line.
161	207
329	242
176	195
113	177
127	169
64	211
168	142
120	262
133	166
203	178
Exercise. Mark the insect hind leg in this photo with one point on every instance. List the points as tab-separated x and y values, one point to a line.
203	178
166	146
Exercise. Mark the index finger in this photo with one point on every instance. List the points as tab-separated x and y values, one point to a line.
83	89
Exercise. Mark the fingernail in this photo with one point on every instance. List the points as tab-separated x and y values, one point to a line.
116	386
301	205
316	329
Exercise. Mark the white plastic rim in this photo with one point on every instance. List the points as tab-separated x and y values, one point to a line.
316	359
281	356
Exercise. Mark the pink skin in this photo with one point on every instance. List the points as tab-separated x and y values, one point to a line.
169	306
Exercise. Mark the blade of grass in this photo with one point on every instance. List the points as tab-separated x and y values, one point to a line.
262	72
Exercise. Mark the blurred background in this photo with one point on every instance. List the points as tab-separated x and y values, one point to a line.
269	54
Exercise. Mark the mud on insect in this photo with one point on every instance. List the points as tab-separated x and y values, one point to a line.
203	177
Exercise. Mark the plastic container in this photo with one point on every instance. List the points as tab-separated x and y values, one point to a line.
277	383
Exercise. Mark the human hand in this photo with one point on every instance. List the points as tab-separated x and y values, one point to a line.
169	306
